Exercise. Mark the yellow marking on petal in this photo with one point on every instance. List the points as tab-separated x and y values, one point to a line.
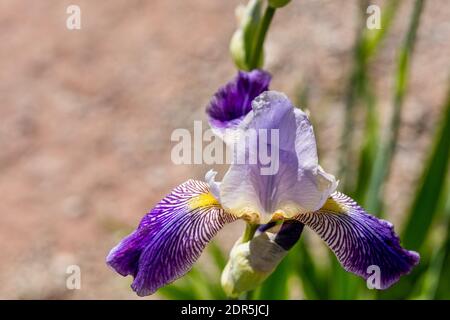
332	205
246	213
286	211
203	200
278	216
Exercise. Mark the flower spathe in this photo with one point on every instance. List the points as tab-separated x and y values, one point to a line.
251	262
171	236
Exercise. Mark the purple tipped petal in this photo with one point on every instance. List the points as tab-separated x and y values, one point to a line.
233	101
360	240
170	238
289	234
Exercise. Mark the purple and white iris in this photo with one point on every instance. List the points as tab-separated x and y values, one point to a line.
171	237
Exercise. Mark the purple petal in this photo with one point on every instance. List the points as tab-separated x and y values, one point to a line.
233	101
292	181
170	238
289	234
360	240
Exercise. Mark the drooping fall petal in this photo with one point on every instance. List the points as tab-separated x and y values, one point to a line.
170	238
360	240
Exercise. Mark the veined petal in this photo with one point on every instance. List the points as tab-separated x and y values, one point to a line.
232	102
360	240
170	238
292	181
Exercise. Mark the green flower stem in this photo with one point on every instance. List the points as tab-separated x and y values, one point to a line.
261	36
249	232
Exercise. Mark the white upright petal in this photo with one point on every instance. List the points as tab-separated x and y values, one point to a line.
297	185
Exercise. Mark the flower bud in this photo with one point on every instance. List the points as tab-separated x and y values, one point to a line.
278	3
251	263
237	50
242	42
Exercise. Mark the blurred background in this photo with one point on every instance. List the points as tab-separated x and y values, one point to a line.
86	117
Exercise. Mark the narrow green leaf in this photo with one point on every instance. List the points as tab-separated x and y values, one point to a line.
373	37
387	150
443	280
368	148
366	46
426	287
425	208
432	183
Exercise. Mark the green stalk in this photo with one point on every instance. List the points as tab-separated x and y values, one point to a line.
434	276
249	232
346	286
366	45
386	153
261	36
350	101
425	208
442	290
374	37
369	145
425	204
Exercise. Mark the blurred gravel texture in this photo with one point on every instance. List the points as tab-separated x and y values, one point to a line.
86	117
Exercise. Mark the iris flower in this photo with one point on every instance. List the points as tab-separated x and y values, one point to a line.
171	237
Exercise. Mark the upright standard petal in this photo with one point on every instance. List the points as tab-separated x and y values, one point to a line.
361	242
170	238
250	263
275	173
232	102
